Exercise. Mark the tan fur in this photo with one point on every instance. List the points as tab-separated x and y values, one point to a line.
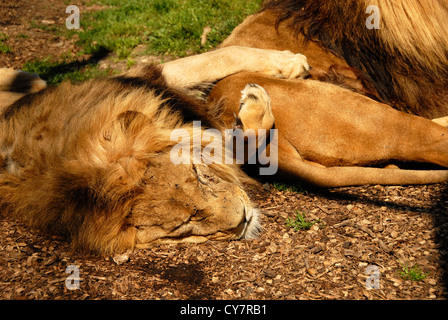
334	126
16	84
342	131
92	162
403	63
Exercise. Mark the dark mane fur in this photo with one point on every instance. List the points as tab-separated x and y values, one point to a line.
151	79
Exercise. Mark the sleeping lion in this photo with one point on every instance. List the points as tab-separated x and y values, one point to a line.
91	162
94	162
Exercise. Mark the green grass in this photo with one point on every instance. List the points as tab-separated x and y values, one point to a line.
300	222
297	188
37	25
3	47
56	72
414	273
171	27
166	27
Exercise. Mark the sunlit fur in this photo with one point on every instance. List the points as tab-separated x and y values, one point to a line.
406	59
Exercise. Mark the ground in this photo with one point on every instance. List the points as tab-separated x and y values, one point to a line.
398	233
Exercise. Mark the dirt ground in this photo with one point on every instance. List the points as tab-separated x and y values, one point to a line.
360	230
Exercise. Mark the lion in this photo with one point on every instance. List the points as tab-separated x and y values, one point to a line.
403	63
91	162
334	129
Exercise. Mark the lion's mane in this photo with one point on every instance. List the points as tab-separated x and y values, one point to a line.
406	59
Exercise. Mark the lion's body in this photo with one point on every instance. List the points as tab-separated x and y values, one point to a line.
328	120
405	60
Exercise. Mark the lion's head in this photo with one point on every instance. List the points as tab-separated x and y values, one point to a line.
191	203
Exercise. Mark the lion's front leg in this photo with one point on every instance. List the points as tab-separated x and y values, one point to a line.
218	64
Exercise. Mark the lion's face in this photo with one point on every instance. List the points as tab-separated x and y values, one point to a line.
190	203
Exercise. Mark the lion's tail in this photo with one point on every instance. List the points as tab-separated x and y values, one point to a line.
15	84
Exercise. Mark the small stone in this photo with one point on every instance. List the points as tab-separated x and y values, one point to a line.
363	264
121	258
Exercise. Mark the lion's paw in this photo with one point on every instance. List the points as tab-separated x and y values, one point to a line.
255	109
442	121
290	65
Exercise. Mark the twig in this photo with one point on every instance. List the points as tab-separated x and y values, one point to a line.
350	223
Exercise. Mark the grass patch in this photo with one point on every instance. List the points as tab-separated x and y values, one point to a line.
56	72
414	273
300	222
3	37
166	27
171	27
4	48
36	25
297	188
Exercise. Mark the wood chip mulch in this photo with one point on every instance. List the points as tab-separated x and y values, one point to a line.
386	227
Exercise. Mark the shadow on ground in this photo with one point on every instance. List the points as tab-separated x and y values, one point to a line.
56	72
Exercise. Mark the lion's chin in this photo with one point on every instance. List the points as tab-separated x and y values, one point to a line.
248	229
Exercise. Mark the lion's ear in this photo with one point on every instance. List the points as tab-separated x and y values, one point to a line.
132	122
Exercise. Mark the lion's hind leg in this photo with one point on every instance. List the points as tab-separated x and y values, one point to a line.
294	168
